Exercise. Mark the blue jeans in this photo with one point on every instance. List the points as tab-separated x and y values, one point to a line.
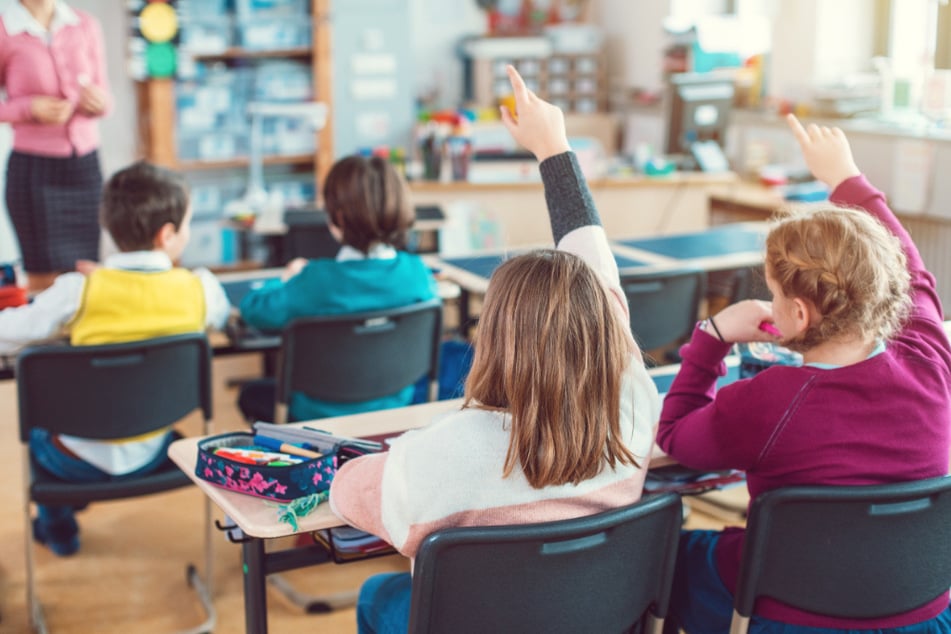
52	460
701	604
383	606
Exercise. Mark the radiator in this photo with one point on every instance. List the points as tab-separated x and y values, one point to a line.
933	238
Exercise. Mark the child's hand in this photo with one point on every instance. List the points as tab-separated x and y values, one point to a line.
293	267
741	322
826	151
540	126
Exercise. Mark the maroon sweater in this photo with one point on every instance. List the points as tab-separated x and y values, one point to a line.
885	419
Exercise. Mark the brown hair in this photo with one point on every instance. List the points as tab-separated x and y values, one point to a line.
845	263
138	201
551	351
368	201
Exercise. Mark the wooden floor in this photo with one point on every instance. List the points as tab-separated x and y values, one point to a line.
129	575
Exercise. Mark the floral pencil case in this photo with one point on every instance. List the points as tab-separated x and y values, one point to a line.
232	461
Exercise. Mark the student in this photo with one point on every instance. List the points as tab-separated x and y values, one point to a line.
870	405
559	412
136	294
369	213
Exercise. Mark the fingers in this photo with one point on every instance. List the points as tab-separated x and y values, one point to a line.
507	120
812	132
798	131
522	93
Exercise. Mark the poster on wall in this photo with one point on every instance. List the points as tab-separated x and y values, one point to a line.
153	38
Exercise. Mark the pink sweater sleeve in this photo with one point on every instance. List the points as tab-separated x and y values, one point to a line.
18	109
356	494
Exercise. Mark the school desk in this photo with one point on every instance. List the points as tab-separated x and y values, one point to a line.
258	520
471	273
719	248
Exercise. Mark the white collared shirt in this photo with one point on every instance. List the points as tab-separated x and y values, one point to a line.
378	251
47	315
17	19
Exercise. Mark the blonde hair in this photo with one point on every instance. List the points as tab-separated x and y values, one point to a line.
848	265
551	351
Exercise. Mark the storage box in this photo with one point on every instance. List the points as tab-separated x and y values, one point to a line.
274	33
257	8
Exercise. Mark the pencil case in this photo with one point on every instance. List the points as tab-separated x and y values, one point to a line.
279	483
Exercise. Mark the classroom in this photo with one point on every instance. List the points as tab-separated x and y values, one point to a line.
270	269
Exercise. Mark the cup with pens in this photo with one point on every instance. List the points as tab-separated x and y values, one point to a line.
277	462
430	150
458	149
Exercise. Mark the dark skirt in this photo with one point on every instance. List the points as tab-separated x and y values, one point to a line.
54	207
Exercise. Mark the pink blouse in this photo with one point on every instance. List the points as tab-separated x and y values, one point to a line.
34	62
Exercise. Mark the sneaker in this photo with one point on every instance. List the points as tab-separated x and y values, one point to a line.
61	537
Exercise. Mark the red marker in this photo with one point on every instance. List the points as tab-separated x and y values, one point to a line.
770	329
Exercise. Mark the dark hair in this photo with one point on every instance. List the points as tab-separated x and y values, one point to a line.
138	201
367	200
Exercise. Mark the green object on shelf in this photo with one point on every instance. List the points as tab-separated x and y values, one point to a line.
160	59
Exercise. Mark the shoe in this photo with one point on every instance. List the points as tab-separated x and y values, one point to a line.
61	537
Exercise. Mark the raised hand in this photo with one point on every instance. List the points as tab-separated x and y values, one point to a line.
826	150
538	126
50	110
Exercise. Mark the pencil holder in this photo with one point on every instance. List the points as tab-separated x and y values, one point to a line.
282	483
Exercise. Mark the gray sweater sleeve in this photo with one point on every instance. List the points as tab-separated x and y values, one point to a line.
569	201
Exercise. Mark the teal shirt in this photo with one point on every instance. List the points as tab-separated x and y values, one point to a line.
331	287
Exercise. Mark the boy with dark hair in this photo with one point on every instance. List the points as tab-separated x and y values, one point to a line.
136	294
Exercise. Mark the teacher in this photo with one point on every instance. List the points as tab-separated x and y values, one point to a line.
53	70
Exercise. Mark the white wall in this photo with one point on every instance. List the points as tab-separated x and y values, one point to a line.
437	25
635	39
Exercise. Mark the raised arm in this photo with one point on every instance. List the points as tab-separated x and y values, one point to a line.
829	157
576	227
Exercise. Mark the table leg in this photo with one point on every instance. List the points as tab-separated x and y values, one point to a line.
255	598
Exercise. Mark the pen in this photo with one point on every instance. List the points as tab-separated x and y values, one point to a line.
770	329
277	445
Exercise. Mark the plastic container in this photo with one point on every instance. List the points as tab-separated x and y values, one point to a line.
274	33
257	8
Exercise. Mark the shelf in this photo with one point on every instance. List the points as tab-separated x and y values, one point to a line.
295	159
244	53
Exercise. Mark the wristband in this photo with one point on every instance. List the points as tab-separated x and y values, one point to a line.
715	329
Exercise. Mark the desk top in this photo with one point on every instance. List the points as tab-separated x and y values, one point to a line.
719	248
473	271
239	284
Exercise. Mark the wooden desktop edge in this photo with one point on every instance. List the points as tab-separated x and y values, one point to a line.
257	517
